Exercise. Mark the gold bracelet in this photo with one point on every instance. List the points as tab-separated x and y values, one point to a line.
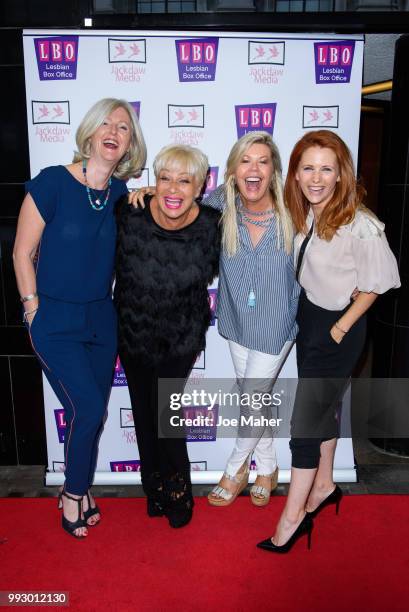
340	328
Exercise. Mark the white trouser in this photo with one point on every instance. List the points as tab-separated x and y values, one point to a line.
256	373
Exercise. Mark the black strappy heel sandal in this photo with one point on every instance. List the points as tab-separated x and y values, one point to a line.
71	526
90	512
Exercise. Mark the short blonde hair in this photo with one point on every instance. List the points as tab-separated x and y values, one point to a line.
230	231
190	159
132	163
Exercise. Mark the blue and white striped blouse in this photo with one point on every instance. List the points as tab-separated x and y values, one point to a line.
267	271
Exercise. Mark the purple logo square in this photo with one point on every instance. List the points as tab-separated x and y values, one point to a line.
197	59
125	466
255	117
137	107
211	180
57	57
333	61
203	425
119	379
213	304
61	424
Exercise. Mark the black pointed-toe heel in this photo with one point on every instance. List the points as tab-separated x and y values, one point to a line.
333	498
71	526
90	512
305	527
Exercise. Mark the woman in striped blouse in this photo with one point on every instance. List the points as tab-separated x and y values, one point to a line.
257	301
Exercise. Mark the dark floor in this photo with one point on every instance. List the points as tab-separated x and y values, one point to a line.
378	472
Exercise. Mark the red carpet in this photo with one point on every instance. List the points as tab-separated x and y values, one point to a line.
359	560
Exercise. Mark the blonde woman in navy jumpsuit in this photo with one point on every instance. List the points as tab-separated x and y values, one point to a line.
67	218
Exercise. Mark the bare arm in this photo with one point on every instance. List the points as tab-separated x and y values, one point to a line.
361	304
29	231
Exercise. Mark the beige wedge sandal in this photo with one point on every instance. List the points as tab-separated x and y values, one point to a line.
220	496
260	496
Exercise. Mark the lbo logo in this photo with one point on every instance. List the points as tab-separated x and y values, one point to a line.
211	180
60	423
57	50
254	117
197	59
333	61
212	293
197	52
334	55
57	57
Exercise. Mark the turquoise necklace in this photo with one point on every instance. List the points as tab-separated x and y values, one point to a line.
97	203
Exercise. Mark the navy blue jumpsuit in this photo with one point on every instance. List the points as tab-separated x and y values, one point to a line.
74	330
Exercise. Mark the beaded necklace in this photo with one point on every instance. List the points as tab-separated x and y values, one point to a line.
97	204
244	212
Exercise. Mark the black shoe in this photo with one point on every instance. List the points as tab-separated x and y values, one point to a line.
71	526
305	527
333	498
179	501
155	496
90	512
154	507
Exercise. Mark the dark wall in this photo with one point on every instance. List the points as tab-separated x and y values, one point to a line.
22	427
22	431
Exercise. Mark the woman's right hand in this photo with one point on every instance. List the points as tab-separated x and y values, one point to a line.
135	198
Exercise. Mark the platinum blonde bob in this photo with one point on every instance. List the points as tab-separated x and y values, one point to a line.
134	160
183	158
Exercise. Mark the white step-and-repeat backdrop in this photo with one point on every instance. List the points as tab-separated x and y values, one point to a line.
205	90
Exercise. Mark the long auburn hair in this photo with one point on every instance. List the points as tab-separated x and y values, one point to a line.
348	195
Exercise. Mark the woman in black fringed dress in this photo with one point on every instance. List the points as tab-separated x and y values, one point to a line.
167	255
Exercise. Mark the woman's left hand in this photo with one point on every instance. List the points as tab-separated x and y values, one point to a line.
336	334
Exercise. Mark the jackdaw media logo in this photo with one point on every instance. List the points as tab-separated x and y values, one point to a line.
185	115
320	117
270	52
127	50
50	111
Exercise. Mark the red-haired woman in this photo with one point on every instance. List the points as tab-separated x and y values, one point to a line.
341	246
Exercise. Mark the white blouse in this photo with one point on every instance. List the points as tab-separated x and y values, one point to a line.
358	256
